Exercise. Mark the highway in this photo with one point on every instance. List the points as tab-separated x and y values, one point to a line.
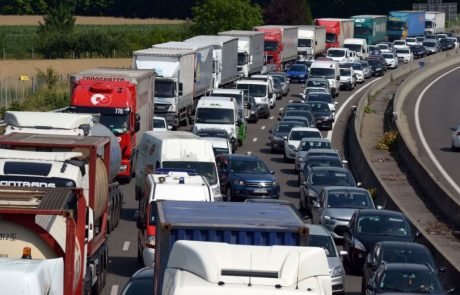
123	241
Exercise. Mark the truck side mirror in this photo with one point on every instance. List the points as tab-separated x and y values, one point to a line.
181	88
316	42
137	123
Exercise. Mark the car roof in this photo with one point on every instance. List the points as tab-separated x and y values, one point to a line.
323	157
380	213
316	139
293	118
243	157
408	267
346	188
304	129
329	151
329	168
317	230
402	245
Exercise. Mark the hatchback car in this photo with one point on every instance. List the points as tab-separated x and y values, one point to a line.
295	106
320	237
297	72
292	141
385	47
446	44
141	282
322	97
160	124
306	145
357	68
431	46
367	227
317	161
242	177
347	78
418	51
377	66
281	129
282	76
324	118
337	204
367	70
404	55
302	120
318	82
391	60
398	44
278	87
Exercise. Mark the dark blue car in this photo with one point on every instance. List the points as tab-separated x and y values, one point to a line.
297	72
246	177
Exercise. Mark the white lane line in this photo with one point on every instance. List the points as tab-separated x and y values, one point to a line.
281	109
263	127
271	118
422	137
126	246
114	290
345	104
255	139
291	100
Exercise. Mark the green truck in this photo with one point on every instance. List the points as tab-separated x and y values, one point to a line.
370	27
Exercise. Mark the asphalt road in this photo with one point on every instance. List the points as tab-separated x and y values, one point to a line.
123	241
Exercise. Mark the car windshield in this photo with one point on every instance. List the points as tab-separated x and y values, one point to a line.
407	255
409	282
206	169
245	166
315	96
324	242
388	55
322	72
346	199
331	178
335	53
373	62
270	45
297	106
164	88
420	39
297	68
403	51
345	72
383	225
383	46
253	89
411	40
317	83
215	116
285	127
236	96
159	123
429	44
295	113
219	151
331	162
302	122
319	107
399	43
213	133
299	134
353	47
357	66
307	145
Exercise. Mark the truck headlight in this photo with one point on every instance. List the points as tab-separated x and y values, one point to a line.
337	272
123	168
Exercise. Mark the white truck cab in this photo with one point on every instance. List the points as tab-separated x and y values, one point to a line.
209	268
357	45
330	71
166	184
261	90
339	54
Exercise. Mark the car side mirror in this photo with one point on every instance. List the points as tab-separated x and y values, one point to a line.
338	78
272	172
137	123
343	253
249	106
284	137
140	223
181	88
442	269
336	103
359	184
451	291
316	205
232	140
418	235
379	207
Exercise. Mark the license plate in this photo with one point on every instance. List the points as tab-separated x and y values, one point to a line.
260	191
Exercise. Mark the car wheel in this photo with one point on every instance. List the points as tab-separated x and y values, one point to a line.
228	194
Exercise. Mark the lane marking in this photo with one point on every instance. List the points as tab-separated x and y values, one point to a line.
126	246
422	137
271	118
263	127
345	104
291	100
255	139
281	109
114	290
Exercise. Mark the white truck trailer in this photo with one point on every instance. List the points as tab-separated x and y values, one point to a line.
250	51
312	42
435	22
225	55
174	81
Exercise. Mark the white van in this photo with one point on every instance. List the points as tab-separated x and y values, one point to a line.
261	90
339	54
272	99
330	71
216	112
175	150
357	45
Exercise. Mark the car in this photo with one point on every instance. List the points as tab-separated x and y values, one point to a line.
347	78
369	226
301	120
160	124
141	282
314	89
418	51
324	118
316	161
294	106
336	205
404	278
455	143
243	177
411	41
266	79
399	44
430	37
320	177
307	144
374	50
396	252
404	55
282	76
318	82
357	68
300	114
278	132
252	110
455	41
431	46
292	140
277	87
298	73
380	58
420	40
384	47
323	97
367	70
319	237
377	66
391	60
446	44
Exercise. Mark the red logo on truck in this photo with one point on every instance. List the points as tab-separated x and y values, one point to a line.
100	99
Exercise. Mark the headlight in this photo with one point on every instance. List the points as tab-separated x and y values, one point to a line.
264	99
277	138
378	69
275	183
239	182
328	220
123	168
301	159
216	191
292	147
337	271
358	245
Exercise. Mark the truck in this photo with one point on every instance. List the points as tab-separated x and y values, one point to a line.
174	72
259	224
58	221
55	123
405	23
124	100
222	268
373	28
202	70
311	42
250	51
225	58
435	22
280	45
337	30
165	184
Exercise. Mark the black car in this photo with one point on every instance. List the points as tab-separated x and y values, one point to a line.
324	118
295	106
305	121
281	129
446	44
141	282
396	252
302	114
418	51
367	227
405	278
377	66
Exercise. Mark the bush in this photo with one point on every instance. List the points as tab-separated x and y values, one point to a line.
388	141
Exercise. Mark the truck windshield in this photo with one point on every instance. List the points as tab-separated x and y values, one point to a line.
395	25
164	88
353	47
206	169
242	58
117	123
362	31
428	24
322	72
331	38
335	53
304	43
237	97
215	116
270	45
255	90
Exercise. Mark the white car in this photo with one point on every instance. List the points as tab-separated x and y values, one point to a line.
455	40
455	138
292	141
404	55
347	78
384	47
391	59
399	44
220	145
411	41
160	124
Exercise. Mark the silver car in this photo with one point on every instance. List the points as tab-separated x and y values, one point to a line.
335	206
282	76
305	145
320	237
432	46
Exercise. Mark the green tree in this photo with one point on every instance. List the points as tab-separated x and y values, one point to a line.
288	12
213	16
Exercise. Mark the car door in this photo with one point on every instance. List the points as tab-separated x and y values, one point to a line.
316	211
348	235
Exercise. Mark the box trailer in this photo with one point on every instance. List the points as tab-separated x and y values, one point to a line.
373	28
311	41
337	30
405	23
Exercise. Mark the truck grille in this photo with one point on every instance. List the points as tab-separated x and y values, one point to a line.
260	184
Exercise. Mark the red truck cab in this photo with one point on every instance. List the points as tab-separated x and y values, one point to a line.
273	46
332	31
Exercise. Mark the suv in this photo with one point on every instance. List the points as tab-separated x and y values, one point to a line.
245	177
347	78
